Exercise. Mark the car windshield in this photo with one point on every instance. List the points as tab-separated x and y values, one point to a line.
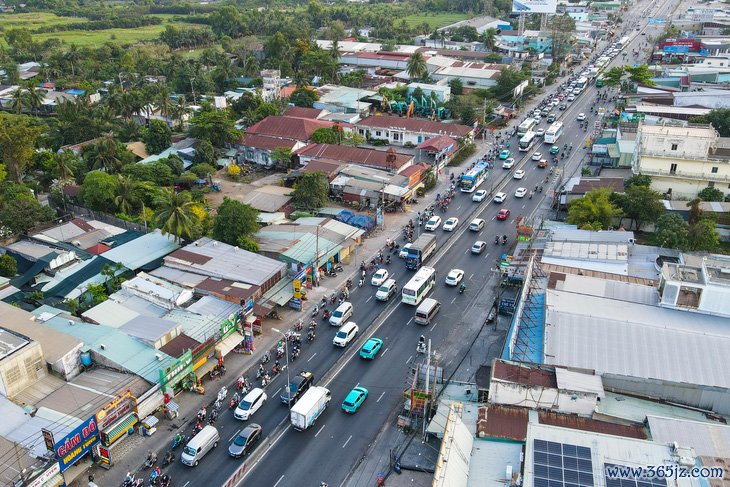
341	334
337	313
383	289
432	221
239	441
189	451
245	405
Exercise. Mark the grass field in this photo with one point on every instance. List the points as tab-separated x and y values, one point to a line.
35	20
435	20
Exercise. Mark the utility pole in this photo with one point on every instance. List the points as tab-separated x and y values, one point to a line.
315	271
428	377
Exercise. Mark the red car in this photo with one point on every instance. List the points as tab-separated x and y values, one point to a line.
503	214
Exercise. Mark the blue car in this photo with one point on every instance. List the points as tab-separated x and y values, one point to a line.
354	399
504	154
371	348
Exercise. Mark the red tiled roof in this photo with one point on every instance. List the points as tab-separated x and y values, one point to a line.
416	125
178	345
439	143
416	168
97	249
83	225
397	56
303	112
286	91
589	184
265	143
326	166
525	374
288	127
357	155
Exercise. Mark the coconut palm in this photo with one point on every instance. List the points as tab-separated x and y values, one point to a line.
72	56
18	101
64	165
104	154
128	194
417	67
175	214
178	111
34	98
490	38
163	99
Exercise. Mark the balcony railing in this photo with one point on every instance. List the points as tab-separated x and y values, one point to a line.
685	174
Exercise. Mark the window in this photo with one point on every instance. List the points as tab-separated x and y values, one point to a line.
711	184
674	146
377	133
714	170
673	169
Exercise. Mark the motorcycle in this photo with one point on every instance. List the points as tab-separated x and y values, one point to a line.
222	394
496	240
165	481
462	288
168	459
129	480
266	358
299	325
338	268
421	347
326	315
504	239
151	460
310	336
294	354
260	373
178	440
265	380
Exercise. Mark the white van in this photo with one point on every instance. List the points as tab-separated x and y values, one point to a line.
199	445
386	290
427	311
341	314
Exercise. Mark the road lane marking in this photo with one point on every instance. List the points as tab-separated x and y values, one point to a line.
348	441
277	391
277	482
472	274
186	484
368	300
313	355
320	430
384	352
409	359
381	396
452	301
409	321
434	326
236	434
458	208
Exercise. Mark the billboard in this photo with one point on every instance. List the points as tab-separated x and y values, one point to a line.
77	443
534	6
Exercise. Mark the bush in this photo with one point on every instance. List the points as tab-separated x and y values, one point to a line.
464	153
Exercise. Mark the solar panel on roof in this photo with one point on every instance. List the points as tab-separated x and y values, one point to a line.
563	465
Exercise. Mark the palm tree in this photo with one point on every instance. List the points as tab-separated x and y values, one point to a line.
73	56
178	110
128	192
490	38
34	97
175	214
18	100
163	99
104	154
417	67
64	165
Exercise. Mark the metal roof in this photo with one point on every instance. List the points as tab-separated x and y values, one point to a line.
636	340
606	288
56	346
109	313
148	328
569	380
707	439
143	250
212	306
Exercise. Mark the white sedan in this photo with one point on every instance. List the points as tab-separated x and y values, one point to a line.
519	174
500	197
379	277
508	163
454	277
581	116
537	156
479	195
540	133
450	224
520	193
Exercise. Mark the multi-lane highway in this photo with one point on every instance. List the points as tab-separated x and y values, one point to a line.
327	451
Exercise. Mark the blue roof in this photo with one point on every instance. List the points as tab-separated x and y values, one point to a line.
143	250
129	353
122	238
530	332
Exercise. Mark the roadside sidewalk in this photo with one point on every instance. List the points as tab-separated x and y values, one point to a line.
130	454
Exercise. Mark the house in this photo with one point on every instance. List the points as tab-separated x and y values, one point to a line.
437	151
388	160
369	187
275	132
414	131
184	149
343	99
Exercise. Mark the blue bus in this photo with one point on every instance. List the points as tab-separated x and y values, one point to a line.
474	177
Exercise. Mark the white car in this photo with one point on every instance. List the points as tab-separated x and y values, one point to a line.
433	223
571	97
581	116
345	334
480	195
251	403
555	103
403	253
379	277
450	224
519	174
507	164
500	197
540	133
520	193
454	277
537	156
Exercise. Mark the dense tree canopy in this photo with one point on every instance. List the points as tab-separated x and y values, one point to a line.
594	211
234	221
311	191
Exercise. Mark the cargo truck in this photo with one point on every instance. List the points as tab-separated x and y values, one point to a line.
311	405
421	249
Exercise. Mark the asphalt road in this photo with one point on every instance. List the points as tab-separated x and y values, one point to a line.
327	451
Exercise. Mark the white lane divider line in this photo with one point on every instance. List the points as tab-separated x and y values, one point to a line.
277	391
313	355
381	396
409	321
320	430
434	326
409	359
236	434
452	301
277	482
472	274
348	441
384	352
368	300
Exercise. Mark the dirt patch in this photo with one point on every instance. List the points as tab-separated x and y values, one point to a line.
237	190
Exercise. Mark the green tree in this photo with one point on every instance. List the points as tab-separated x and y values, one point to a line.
457	86
98	191
35	298
711	194
507	81
107	154
157	136
283	156
640	75
205	153
324	136
703	235
303	97
21	214
98	294
202	170
416	66
233	221
613	76
561	29
214	126
18	101
593	211
642	205
66	165
719	118
8	266
128	194
489	38
18	136
671	232
34	98
638	180
175	214
695	211
311	191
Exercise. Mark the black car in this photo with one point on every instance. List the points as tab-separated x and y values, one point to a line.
551	118
298	386
245	441
563	106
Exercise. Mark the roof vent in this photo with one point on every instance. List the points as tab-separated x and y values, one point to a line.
102	346
159	357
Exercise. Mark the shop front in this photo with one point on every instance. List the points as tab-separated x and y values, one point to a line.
75	446
116	419
50	476
174	377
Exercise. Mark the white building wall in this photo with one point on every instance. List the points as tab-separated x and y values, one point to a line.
536	397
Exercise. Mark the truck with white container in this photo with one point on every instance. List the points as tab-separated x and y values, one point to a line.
312	404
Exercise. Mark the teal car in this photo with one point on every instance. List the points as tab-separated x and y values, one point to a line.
554	149
504	154
354	399
371	348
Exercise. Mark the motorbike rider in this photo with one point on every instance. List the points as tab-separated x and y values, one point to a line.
129	477
462	287
169	458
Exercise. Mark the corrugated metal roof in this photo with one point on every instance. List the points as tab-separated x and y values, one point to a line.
605	288
148	328
212	306
143	250
636	340
198	327
526	374
712	440
110	313
569	380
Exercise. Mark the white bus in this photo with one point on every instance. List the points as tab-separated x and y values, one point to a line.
526	126
553	133
419	286
623	42
527	141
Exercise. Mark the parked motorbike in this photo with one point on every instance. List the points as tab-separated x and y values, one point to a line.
338	268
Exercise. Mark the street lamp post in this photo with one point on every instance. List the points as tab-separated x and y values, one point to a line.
288	379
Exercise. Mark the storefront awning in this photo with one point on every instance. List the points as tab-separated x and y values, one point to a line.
229	343
112	434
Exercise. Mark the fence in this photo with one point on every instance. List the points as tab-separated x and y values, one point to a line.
106	218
